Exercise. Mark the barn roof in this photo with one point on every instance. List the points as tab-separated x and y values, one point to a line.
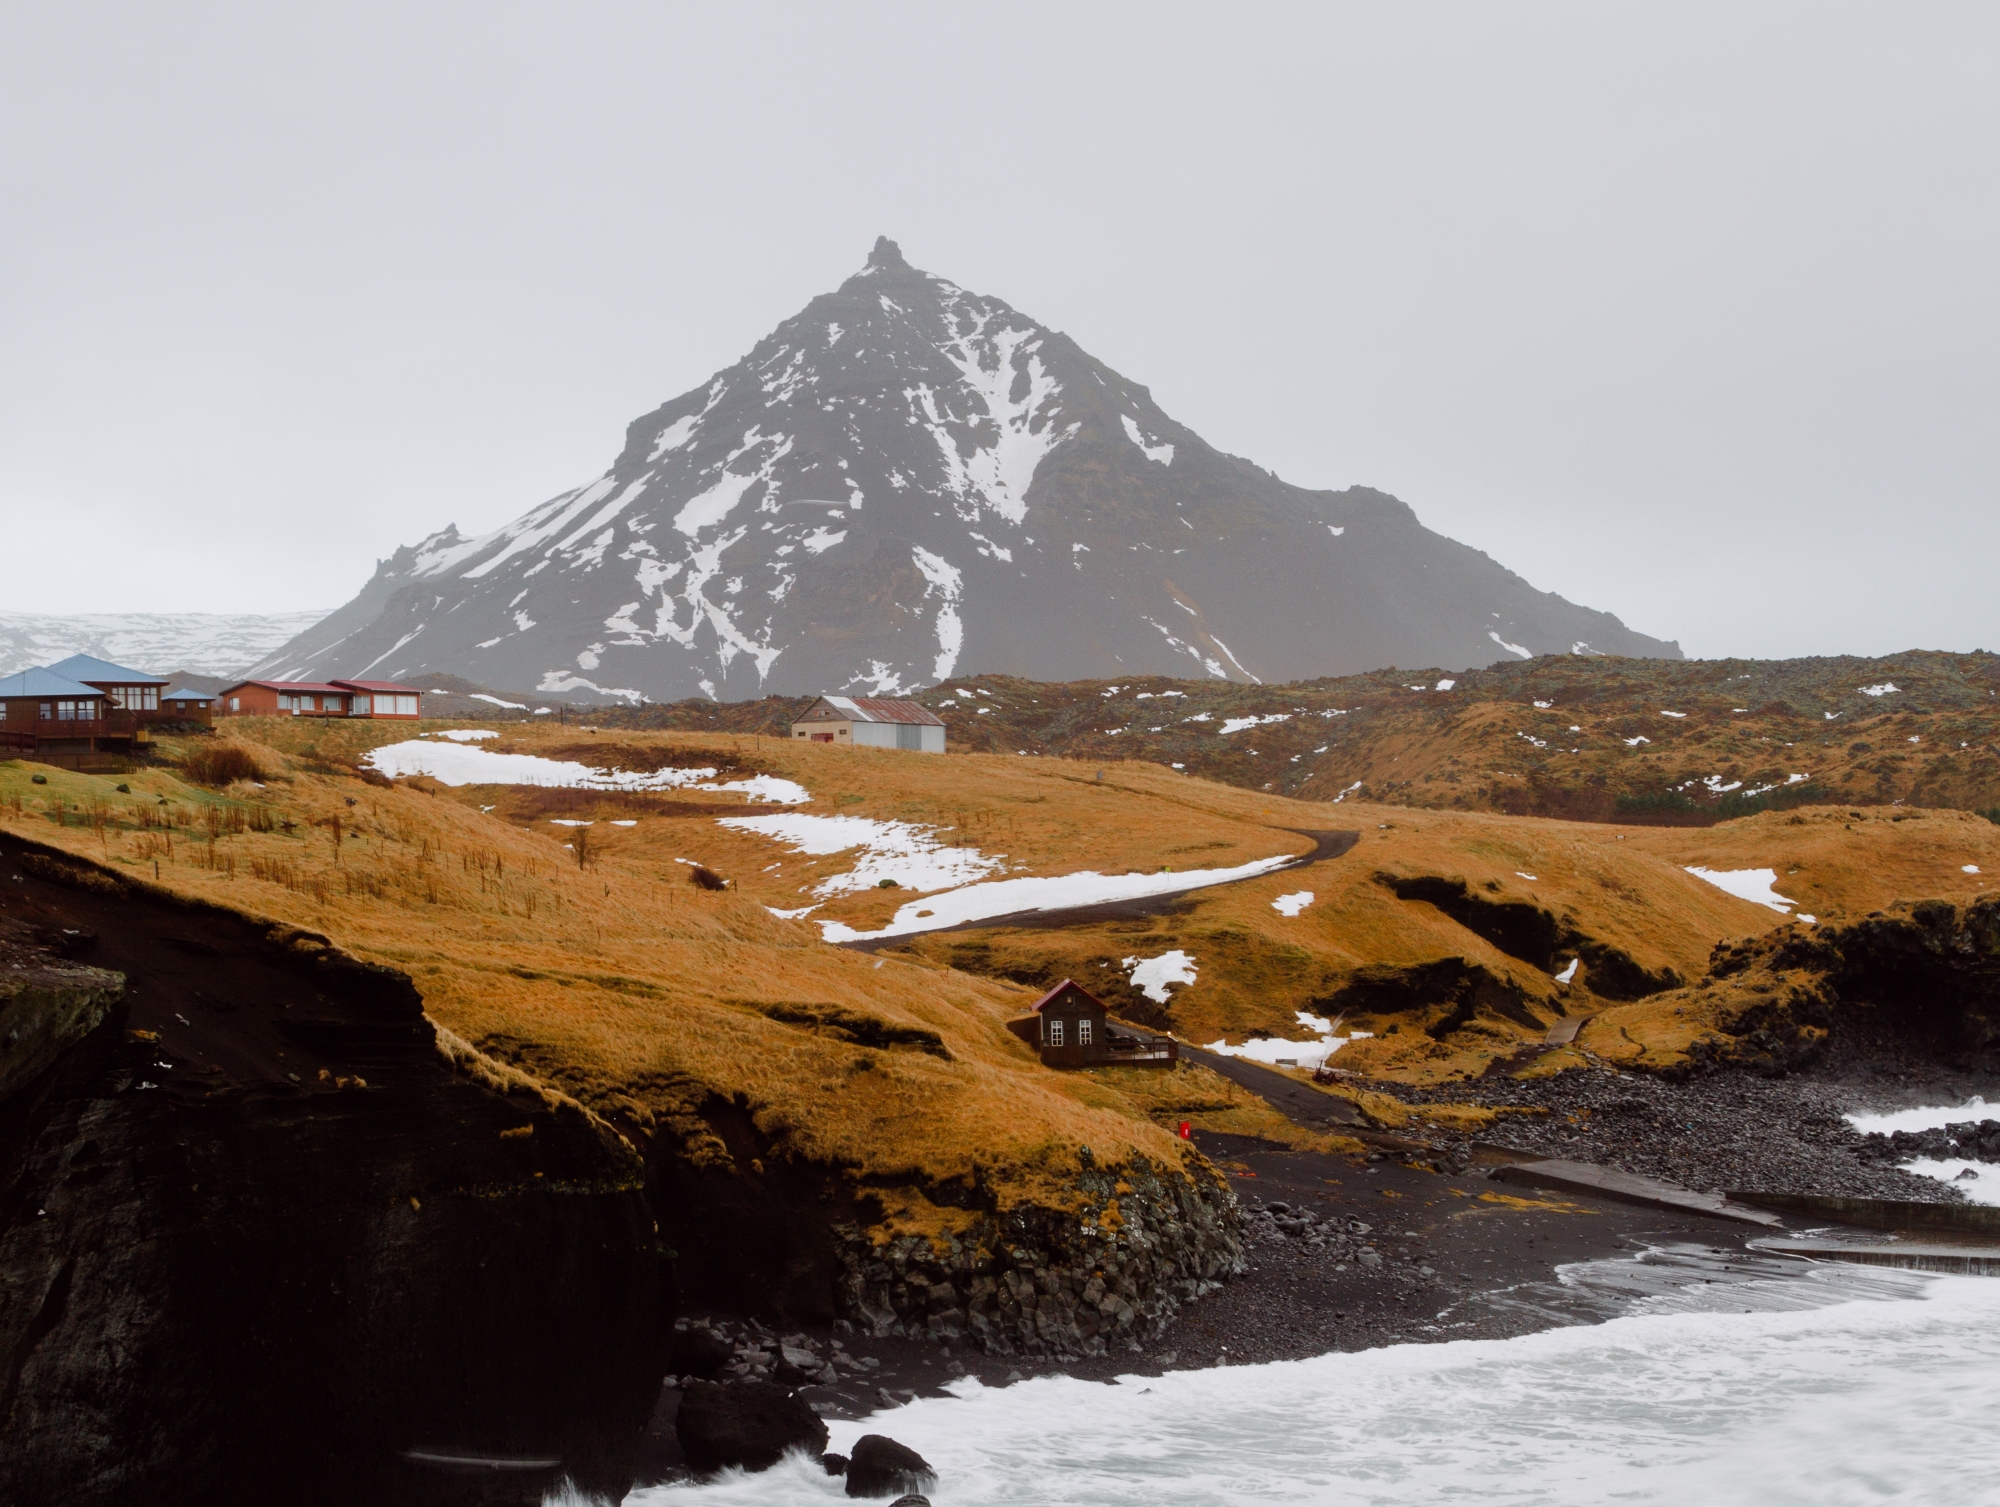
875	709
1050	997
90	667
44	682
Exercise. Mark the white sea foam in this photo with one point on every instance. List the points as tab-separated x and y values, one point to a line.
1983	1187
1004	897
1853	1404
1929	1117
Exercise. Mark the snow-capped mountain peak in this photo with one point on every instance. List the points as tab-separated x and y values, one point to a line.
905	481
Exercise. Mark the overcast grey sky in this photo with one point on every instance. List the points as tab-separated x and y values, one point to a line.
1685	311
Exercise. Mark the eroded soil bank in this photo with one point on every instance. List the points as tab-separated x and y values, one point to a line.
260	1239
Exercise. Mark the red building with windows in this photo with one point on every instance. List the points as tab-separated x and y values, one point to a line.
314	698
1070	1027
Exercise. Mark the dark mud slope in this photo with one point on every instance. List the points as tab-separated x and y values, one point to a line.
260	1240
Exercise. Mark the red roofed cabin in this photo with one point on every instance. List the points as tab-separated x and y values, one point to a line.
871	722
1070	1027
312	698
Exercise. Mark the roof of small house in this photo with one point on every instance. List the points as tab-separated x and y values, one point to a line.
41	681
290	687
875	709
187	694
379	685
90	667
1063	987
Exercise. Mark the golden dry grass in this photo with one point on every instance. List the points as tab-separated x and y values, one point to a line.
624	986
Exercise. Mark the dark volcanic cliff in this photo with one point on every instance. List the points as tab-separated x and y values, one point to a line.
260	1238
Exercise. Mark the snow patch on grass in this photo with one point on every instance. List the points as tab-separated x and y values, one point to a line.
909	855
1754	885
455	764
1005	897
1152	976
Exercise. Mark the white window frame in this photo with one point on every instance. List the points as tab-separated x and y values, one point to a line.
1083	1032
1055	1026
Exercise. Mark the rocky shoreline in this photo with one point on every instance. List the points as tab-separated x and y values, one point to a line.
1411	1241
1039	1281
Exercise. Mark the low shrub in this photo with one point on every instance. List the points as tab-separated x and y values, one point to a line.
218	764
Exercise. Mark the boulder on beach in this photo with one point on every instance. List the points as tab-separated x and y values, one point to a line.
880	1467
699	1352
747	1423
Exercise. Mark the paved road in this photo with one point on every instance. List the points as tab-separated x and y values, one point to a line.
1292	1099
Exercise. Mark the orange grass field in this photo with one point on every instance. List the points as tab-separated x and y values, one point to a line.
618	982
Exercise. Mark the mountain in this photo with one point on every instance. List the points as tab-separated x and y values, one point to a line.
906	482
203	643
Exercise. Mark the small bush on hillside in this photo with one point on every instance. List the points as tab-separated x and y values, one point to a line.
218	764
1992	814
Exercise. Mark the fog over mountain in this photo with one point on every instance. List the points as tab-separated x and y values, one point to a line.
907	481
162	643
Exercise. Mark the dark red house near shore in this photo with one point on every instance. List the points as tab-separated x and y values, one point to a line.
1070	1027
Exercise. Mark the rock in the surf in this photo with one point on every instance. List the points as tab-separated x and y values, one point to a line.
750	1424
880	1467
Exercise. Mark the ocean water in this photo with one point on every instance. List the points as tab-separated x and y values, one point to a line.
1841	1386
1983	1186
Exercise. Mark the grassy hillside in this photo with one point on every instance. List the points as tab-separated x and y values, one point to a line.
652	1000
1583	738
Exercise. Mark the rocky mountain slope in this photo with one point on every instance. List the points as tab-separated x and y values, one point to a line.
904	482
203	643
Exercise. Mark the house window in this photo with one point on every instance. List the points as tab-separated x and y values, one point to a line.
136	698
406	706
76	711
1083	1033
48	711
236	703
1055	1033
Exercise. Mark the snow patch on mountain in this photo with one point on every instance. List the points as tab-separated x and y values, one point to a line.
1164	454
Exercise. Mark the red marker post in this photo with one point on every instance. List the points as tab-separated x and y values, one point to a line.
1187	1134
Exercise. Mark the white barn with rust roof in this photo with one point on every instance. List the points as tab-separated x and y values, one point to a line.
871	722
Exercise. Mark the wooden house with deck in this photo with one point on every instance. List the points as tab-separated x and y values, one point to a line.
125	689
54	719
1070	1027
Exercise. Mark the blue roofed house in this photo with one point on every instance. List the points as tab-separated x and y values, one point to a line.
80	712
